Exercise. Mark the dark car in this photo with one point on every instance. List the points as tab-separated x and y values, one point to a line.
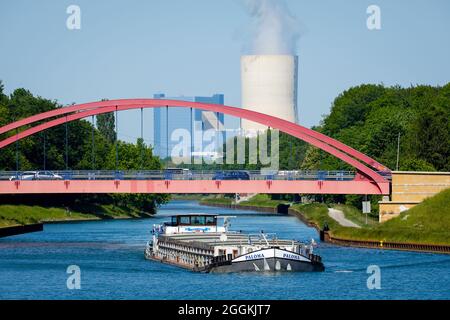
231	175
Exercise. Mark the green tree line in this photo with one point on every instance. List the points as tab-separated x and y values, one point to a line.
374	118
371	118
89	147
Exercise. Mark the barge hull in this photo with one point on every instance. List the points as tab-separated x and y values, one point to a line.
269	265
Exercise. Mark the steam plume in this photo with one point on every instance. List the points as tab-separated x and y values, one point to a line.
274	29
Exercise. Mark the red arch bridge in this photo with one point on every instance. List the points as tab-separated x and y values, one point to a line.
368	177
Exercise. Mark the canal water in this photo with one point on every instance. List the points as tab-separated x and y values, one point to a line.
111	260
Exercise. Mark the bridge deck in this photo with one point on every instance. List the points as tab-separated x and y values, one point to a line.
193	186
178	174
282	182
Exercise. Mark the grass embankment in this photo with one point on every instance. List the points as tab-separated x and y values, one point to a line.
24	214
259	200
216	199
355	215
427	223
186	197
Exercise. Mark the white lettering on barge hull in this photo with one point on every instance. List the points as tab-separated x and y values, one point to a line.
290	256
271	253
254	256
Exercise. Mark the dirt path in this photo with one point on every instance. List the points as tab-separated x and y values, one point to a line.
339	216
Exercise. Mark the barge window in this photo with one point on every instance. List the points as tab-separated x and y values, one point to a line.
198	220
211	221
185	220
174	221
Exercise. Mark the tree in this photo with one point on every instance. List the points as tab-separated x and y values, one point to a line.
351	107
416	165
432	137
106	126
4	114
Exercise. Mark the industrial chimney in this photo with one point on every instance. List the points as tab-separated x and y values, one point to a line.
269	86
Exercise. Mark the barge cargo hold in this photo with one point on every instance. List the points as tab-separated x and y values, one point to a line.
196	242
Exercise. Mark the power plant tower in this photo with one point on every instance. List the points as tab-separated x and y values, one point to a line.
269	86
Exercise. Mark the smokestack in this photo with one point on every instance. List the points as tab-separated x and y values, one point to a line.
269	86
269	76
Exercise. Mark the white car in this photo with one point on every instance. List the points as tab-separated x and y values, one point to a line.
47	175
36	175
26	175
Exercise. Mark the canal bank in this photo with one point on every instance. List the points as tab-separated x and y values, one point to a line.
16	230
20	219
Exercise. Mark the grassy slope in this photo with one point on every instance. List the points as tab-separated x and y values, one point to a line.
216	200
316	214
186	197
428	222
355	215
260	200
23	214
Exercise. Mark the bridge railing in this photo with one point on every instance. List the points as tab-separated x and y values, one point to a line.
336	175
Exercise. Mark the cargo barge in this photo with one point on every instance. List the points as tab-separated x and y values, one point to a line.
196	242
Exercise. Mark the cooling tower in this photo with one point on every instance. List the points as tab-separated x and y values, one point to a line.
269	85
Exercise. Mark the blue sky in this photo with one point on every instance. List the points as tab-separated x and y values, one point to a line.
129	49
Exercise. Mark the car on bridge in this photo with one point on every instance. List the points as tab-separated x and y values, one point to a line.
177	174
47	175
26	175
231	175
36	175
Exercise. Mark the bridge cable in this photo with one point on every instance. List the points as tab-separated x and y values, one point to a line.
44	142
290	154
117	138
66	143
17	149
142	138
217	133
201	143
93	143
167	136
192	141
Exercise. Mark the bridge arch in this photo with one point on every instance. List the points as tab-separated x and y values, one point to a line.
75	112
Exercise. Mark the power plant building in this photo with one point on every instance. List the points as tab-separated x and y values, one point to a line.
180	118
